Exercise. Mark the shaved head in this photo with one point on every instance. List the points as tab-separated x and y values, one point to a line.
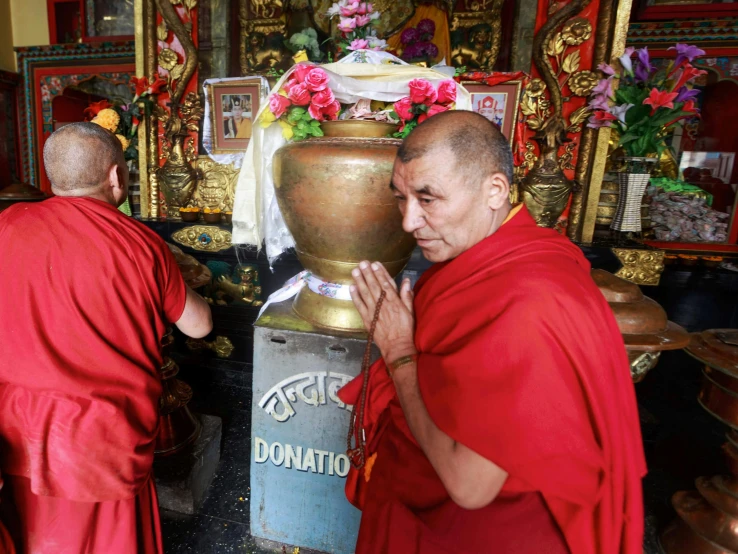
79	158
478	145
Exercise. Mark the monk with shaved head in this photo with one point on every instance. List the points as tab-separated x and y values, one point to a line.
87	302
501	417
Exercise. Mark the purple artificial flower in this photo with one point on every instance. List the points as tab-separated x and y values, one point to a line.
607	69
625	60
644	69
431	50
604	88
619	111
686	52
641	73
412	52
427	26
409	35
599	102
686	94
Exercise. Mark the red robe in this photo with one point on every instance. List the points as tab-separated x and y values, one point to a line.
522	361
86	302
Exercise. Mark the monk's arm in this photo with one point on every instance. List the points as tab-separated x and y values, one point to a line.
471	480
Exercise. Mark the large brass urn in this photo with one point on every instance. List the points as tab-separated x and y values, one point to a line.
335	197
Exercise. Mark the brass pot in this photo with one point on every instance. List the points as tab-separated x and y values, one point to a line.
335	198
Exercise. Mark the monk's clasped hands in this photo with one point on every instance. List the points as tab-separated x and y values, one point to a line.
394	334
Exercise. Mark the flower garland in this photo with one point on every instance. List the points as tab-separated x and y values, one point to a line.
302	103
423	102
648	101
356	26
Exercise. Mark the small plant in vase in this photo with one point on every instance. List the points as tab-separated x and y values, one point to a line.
356	27
647	104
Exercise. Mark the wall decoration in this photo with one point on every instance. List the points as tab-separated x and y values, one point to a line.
498	103
233	107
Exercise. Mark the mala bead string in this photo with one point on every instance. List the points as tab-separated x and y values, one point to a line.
358	455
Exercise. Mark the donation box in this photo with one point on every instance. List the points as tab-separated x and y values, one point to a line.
298	433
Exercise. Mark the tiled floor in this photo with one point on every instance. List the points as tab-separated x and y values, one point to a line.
681	441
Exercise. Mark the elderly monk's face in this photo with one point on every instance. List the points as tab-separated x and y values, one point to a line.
445	213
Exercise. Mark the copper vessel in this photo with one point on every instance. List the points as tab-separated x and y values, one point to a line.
707	521
334	195
643	323
177	426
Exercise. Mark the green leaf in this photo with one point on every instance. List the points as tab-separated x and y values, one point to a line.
302	126
318	131
315	123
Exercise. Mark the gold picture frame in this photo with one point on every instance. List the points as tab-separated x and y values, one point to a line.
233	108
499	103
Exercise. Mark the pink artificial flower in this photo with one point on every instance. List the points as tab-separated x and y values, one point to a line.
364	8
607	69
315	112
350	9
347	25
299	95
288	84
362	20
323	98
447	92
316	80
433	110
301	71
358	44
278	104
403	108
422	92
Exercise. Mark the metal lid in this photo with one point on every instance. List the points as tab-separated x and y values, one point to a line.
717	348
642	321
21	191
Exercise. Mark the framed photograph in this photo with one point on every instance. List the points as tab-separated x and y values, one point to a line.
233	107
498	103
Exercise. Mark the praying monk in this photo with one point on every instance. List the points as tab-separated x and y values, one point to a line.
85	304
501	417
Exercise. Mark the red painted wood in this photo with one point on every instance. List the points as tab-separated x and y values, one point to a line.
700	11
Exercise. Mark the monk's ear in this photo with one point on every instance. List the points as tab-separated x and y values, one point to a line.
498	191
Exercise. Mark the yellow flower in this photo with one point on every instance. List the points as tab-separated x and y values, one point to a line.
266	118
576	31
124	142
287	131
283	92
107	119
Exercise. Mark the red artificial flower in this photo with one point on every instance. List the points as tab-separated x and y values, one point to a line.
157	86
422	92
329	112
403	108
689	72
316	80
660	99
323	99
433	110
447	92
95	107
689	107
601	118
141	84
299	95
301	71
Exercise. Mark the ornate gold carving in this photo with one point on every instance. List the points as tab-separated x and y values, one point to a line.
481	28
154	187
222	346
265	9
546	189
217	185
205	238
642	267
257	20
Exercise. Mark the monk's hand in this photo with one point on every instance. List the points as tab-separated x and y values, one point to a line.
395	330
